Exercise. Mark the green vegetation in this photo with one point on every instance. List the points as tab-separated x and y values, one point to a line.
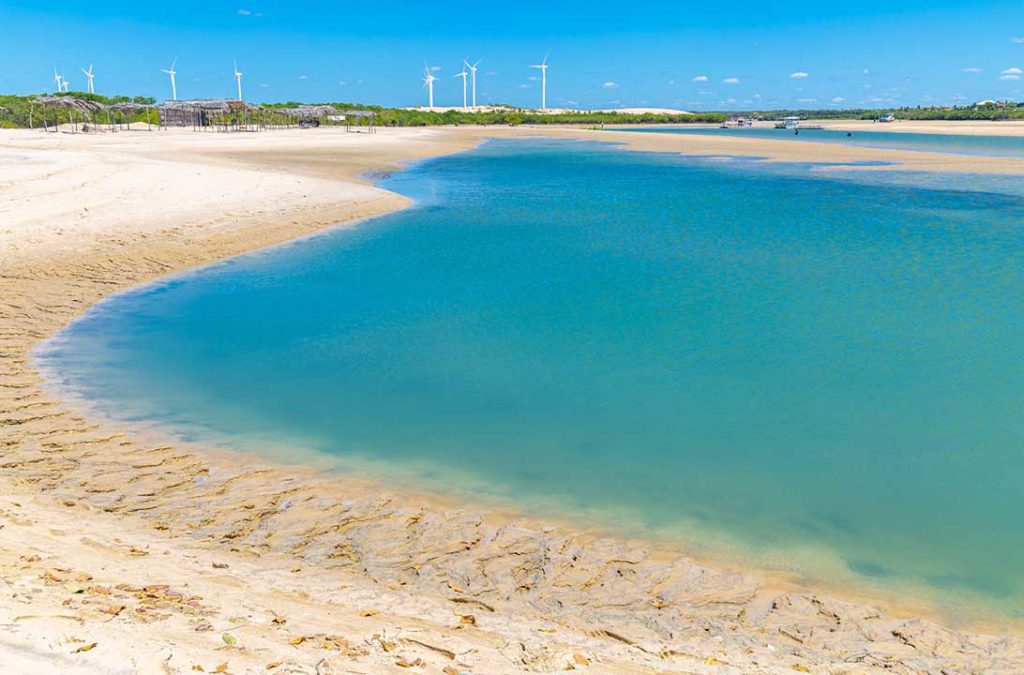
15	113
17	110
990	110
509	116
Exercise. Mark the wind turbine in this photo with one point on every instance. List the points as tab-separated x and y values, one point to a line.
543	67
174	88
463	75
89	75
58	80
238	77
67	85
428	83
472	71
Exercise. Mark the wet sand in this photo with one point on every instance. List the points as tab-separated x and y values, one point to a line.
121	553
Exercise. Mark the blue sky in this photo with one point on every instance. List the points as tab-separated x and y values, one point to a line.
733	55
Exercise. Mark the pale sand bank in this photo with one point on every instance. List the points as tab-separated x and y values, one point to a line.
169	558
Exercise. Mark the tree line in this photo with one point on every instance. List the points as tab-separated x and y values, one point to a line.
15	113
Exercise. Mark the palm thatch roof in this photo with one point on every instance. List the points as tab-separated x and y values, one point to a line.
128	107
209	104
308	112
71	102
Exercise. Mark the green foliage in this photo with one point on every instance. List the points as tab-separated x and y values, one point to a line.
990	111
17	111
401	117
16	114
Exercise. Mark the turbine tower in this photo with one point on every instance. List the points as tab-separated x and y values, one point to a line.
472	72
67	85
174	88
428	83
238	78
463	75
89	75
58	80
543	67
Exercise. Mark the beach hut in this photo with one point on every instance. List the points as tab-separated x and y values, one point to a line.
119	115
77	111
212	114
354	119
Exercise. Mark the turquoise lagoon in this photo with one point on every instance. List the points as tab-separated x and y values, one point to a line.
958	144
820	372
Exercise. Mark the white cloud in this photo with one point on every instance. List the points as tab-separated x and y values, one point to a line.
867	72
244	12
838	99
798	75
807	100
303	77
342	83
1013	71
971	70
264	85
757	96
435	69
609	85
524	86
1009	77
1017	40
731	80
700	78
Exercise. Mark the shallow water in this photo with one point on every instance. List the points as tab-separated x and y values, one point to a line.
960	144
824	372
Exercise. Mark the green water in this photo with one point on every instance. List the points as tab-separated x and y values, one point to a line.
824	374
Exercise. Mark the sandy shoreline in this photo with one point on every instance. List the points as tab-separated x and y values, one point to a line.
170	557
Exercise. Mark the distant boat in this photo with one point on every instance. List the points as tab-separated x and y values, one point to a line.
887	119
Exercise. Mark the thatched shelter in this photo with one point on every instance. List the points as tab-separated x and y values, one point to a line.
317	115
357	116
119	114
220	114
78	111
